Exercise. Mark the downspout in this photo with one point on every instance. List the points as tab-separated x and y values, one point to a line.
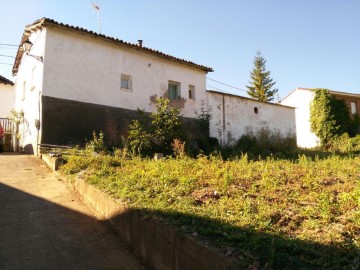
38	124
224	123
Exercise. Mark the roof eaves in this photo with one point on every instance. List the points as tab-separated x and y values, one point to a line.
247	98
5	81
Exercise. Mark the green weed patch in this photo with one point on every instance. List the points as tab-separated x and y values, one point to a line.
269	214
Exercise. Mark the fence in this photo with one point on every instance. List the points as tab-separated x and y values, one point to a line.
7	125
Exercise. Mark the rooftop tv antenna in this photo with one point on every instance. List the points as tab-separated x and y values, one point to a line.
97	8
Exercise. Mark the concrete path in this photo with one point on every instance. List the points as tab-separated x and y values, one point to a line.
45	226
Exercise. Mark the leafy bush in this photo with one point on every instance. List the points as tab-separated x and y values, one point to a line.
345	144
263	143
139	138
97	144
158	131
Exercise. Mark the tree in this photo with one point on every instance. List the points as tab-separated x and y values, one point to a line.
261	84
160	129
166	123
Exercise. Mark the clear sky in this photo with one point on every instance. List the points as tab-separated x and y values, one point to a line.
307	43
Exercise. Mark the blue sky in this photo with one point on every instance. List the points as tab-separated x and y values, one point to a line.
307	43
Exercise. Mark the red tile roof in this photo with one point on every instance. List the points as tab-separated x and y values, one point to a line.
3	80
44	22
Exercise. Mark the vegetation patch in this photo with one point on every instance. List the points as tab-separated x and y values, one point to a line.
331	123
268	214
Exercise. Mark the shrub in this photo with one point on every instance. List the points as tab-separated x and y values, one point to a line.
263	143
345	144
97	144
139	138
157	132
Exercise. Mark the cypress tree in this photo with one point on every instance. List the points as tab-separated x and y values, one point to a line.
261	84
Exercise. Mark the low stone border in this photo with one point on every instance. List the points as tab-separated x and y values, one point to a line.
52	162
160	245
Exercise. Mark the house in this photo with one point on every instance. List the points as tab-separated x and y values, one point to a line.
301	99
71	81
233	116
7	97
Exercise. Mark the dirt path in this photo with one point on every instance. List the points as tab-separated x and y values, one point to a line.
45	226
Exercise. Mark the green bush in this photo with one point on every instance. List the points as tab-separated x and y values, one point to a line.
265	142
156	133
97	144
345	144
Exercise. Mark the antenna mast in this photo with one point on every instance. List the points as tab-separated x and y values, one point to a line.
97	8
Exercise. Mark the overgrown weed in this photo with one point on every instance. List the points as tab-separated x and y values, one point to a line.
298	208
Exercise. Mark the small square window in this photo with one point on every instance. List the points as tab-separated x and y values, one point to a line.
174	90
33	73
23	90
353	107
126	81
191	92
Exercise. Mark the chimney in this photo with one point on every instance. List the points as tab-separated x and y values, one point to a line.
140	42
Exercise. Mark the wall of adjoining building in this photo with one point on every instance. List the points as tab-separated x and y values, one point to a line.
233	116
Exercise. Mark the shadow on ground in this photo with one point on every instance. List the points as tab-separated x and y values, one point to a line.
38	234
251	248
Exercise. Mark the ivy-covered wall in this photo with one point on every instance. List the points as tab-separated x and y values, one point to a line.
330	117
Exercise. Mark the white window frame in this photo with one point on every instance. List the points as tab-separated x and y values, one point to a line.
23	91
177	90
192	92
33	78
353	105
128	79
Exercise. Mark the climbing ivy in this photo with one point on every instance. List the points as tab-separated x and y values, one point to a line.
329	117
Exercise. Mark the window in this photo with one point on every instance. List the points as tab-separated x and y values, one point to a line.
191	92
23	90
33	79
174	90
256	110
126	82
353	107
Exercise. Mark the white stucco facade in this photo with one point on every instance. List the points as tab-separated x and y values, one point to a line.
28	89
233	116
85	67
7	100
301	98
82	68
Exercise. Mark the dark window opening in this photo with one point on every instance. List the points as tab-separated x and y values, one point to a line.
256	110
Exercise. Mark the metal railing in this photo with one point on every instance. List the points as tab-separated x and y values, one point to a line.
7	124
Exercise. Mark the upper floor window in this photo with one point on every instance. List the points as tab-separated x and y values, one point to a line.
33	74
174	90
23	90
191	92
126	81
353	107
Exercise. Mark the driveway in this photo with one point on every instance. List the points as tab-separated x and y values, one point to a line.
43	225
